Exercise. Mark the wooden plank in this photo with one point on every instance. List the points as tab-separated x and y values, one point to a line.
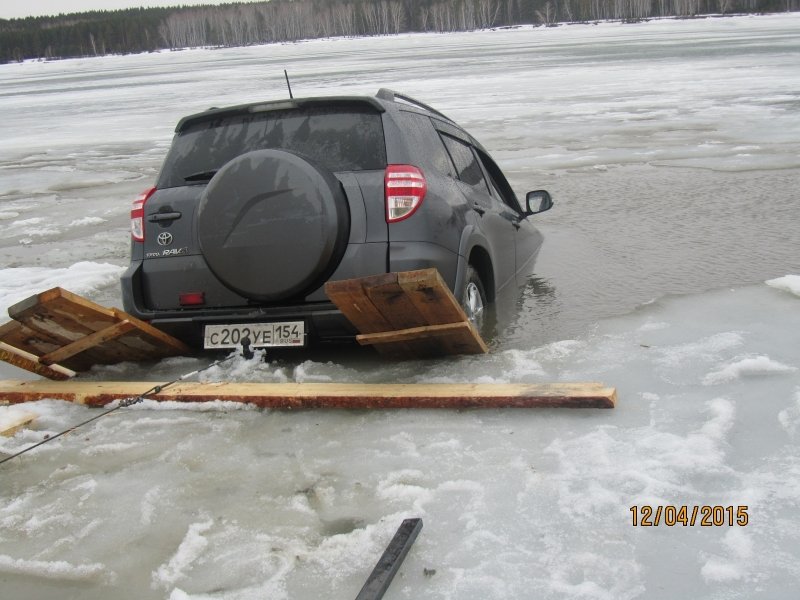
39	343
98	337
14	419
433	300
349	297
30	362
431	296
395	307
62	314
57	326
411	333
170	345
67	318
393	302
294	396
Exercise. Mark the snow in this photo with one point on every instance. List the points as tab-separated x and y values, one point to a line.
87	221
11	416
789	283
59	570
190	549
82	278
672	151
746	367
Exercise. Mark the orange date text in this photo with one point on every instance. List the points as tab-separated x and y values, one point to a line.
689	516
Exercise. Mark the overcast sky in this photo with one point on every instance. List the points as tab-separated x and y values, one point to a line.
14	9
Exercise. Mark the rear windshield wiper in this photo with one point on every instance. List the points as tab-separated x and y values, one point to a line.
201	176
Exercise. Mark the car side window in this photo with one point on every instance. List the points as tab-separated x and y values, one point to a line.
425	140
469	171
500	186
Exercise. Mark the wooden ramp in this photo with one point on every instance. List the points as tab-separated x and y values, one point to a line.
325	395
411	314
56	333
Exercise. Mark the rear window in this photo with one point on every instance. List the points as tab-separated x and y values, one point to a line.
341	139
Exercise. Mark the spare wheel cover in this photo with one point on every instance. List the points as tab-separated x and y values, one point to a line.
273	225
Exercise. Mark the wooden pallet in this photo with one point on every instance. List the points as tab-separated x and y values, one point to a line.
298	396
411	314
56	333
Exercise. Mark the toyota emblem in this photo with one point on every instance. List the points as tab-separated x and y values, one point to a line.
164	239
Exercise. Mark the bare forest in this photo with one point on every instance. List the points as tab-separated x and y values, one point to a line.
146	30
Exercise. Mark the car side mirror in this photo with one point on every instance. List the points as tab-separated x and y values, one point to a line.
538	201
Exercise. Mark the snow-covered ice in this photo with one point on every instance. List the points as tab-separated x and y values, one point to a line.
669	270
82	278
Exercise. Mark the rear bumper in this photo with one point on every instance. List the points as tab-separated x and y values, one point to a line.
324	322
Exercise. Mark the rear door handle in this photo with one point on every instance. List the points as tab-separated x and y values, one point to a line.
167	216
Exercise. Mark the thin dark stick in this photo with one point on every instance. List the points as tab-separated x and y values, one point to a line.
285	74
389	563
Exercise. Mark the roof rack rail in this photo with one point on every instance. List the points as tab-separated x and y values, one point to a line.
391	95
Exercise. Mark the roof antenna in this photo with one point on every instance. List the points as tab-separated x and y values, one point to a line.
289	85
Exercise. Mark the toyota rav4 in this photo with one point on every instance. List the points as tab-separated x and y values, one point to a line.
257	206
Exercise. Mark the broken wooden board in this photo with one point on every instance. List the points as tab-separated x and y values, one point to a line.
57	332
30	362
325	395
14	419
411	314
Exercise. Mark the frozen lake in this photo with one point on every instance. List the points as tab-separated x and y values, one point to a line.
672	149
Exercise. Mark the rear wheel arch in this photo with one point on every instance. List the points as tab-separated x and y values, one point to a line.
472	252
480	260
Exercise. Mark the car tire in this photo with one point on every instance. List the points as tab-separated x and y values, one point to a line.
473	298
273	225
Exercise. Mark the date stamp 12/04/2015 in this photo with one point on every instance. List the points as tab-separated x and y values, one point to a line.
689	516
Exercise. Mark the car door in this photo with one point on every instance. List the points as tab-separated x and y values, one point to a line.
527	239
496	220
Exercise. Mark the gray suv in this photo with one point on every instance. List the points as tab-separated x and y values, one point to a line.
258	205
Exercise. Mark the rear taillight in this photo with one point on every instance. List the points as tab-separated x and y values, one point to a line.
404	190
192	298
137	214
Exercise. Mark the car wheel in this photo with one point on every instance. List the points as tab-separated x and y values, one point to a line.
473	299
273	225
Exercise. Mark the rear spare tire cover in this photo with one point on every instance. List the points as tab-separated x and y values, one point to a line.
273	225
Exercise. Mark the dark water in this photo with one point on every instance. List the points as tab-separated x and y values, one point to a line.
630	235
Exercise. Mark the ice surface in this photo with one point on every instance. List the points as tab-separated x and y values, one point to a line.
746	367
672	151
190	549
10	416
789	283
59	569
293	505
80	278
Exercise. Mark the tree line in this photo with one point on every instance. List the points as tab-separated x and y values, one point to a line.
128	31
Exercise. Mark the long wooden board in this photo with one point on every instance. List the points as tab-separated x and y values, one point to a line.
56	332
411	314
13	419
326	395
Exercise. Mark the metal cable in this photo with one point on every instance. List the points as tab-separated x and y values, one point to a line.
124	403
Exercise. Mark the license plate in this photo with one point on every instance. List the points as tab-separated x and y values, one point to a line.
262	335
